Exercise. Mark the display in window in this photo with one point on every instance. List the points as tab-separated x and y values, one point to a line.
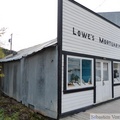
86	72
73	72
79	72
116	72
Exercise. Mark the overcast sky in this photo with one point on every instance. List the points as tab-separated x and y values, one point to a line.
35	21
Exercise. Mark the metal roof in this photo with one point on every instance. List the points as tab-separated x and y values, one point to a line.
112	16
29	51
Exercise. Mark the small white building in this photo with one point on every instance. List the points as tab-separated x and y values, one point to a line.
78	70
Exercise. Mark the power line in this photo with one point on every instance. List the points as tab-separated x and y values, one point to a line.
100	5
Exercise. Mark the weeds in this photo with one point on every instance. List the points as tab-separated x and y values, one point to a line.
12	110
1	114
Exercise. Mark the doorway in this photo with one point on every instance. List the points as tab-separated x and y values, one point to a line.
103	81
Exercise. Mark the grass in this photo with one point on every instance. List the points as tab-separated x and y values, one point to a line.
13	110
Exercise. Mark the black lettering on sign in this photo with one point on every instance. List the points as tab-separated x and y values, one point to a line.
89	36
79	33
101	40
74	31
93	37
83	34
107	42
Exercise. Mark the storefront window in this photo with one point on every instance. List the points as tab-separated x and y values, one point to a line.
73	72
86	72
116	72
98	71
79	72
105	72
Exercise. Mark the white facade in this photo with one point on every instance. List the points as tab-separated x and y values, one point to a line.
84	21
86	35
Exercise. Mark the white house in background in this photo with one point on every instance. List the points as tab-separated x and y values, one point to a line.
79	69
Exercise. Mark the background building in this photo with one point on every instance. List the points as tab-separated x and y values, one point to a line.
112	16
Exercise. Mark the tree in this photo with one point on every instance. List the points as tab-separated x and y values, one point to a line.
2	55
2	32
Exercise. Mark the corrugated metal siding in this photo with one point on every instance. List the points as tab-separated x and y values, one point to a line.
75	101
11	81
29	51
81	19
116	91
33	81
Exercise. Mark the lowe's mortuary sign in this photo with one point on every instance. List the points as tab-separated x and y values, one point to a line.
89	36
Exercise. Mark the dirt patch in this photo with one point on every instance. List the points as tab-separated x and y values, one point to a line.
13	110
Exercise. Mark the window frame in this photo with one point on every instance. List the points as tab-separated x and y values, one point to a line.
113	73
92	72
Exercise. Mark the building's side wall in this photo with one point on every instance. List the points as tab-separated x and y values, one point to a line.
41	76
11	81
33	81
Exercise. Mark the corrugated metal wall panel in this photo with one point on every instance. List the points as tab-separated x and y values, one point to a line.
83	20
11	81
33	81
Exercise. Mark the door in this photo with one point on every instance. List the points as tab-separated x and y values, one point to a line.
103	81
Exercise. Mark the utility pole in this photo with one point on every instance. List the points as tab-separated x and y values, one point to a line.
10	40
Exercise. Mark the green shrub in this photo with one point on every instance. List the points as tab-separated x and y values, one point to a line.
1	114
